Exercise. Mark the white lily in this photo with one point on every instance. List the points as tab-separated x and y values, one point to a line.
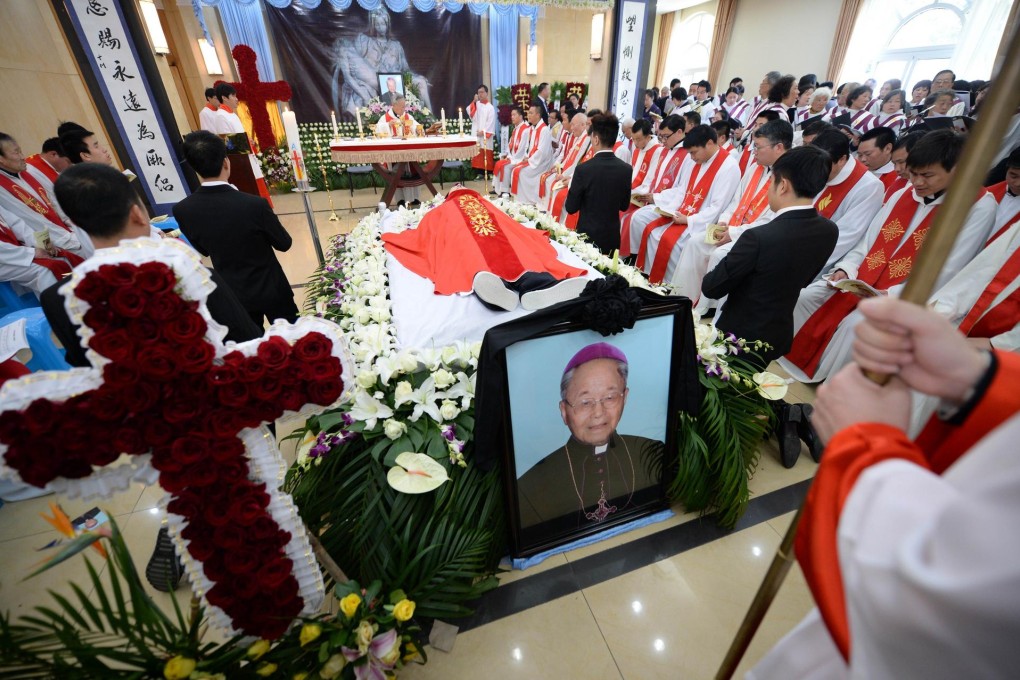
424	399
369	409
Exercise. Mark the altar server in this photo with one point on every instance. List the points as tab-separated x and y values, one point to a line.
207	116
227	121
525	175
825	318
517	149
483	124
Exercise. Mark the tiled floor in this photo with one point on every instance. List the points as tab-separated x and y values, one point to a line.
671	618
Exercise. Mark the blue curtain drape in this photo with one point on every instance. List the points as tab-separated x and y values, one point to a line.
502	48
243	24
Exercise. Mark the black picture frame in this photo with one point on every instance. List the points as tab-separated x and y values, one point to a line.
528	537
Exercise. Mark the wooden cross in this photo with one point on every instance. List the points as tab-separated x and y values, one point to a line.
163	383
256	93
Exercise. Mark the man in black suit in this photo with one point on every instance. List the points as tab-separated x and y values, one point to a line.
237	231
767	268
100	200
542	100
600	188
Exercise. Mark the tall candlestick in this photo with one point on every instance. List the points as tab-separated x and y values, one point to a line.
358	113
290	127
336	131
460	119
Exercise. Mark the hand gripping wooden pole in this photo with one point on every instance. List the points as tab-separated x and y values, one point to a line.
982	145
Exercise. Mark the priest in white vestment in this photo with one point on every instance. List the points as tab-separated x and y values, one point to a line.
558	179
518	144
397	122
524	180
17	254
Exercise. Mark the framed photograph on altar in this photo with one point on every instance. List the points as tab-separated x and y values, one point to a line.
390	86
588	421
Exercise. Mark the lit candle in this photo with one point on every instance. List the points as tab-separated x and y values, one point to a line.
460	119
442	120
358	112
290	127
336	131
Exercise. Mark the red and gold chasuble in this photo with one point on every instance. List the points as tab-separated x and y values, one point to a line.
38	203
516	139
752	203
465	235
59	268
40	164
832	196
695	194
515	173
666	174
887	263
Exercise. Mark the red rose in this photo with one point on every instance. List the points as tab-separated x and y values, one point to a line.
240	561
291	400
221	595
322	370
114	345
267	389
221	423
246	586
196	357
313	347
11	425
253	369
267	411
103	455
181	410
155	277
157	362
186	504
39	416
234	359
101	319
233	471
233	394
144	331
216	572
274	352
164	307
265	528
222	375
325	393
189	449
185	328
247	511
93	289
164	460
286	594
158	432
107	404
120	375
117	275
140	397
227	449
201	551
127	302
128	439
230	537
202	473
275	573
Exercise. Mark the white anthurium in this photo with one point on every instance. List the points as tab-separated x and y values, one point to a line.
305	447
369	409
770	385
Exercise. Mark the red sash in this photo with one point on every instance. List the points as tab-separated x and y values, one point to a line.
695	194
1004	228
561	195
892	186
515	174
40	164
59	268
665	175
752	204
642	170
41	205
832	196
515	145
1001	317
888	263
745	158
574	145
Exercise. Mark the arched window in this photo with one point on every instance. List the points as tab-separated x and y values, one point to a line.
687	55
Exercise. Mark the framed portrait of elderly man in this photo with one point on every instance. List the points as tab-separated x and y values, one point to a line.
391	86
590	418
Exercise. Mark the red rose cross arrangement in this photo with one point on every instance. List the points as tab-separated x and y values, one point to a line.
165	390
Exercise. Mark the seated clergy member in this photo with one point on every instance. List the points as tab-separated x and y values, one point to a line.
624	147
748	208
83	146
237	231
101	200
901	151
207	116
23	195
556	184
517	149
600	189
1007	193
645	159
525	175
766	269
852	195
24	263
45	167
699	196
824	319
875	151
902	542
598	471
227	121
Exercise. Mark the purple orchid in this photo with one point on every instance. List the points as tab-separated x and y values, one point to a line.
381	645
449	432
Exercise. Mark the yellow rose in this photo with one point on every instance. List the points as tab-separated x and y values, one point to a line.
266	669
364	634
349	604
178	668
258	649
309	633
403	610
411	652
332	667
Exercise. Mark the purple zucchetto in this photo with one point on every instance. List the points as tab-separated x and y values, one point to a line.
600	350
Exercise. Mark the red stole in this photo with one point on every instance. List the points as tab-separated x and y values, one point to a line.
1004	228
573	148
515	174
745	158
642	171
752	203
891	185
40	164
38	203
999	192
515	145
694	195
59	268
665	175
1001	317
887	263
832	196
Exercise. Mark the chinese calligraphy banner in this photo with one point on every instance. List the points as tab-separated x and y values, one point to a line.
113	57
630	58
339	60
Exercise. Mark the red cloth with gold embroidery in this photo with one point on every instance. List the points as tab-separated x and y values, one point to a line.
466	235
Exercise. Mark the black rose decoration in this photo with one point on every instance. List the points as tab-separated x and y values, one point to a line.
612	305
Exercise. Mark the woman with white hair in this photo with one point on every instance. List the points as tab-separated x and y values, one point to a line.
815	107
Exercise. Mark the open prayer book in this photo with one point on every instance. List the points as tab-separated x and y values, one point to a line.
714	233
636	199
856	287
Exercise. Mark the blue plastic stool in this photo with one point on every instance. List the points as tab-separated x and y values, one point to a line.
46	356
11	301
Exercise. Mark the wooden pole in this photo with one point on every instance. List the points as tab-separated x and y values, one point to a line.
969	174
